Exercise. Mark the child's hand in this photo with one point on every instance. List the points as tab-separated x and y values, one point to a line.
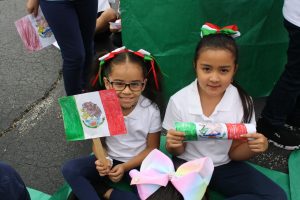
116	173
103	171
175	139
256	142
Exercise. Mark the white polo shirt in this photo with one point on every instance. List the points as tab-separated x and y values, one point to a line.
143	120
291	11
185	106
103	5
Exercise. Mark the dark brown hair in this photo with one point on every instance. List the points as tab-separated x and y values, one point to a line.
226	42
151	92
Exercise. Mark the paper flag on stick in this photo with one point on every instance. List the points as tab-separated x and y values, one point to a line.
92	115
35	31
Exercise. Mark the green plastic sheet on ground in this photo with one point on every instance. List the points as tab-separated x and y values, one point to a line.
62	193
37	195
169	29
294	174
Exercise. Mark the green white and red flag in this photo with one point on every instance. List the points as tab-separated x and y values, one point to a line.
209	28
92	115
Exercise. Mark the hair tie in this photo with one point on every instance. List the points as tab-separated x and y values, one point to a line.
147	57
105	58
141	53
209	28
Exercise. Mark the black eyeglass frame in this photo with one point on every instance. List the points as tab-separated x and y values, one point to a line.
130	85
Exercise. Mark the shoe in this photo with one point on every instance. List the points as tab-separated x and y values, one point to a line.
286	137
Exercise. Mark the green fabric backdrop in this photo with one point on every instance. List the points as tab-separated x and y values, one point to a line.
169	29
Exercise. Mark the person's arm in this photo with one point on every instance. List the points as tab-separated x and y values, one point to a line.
117	172
32	7
174	139
243	150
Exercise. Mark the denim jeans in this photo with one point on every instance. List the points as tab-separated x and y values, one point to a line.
73	24
284	101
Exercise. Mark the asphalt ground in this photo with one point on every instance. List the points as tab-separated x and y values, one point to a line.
31	129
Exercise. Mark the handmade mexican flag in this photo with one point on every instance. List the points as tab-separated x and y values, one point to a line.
92	115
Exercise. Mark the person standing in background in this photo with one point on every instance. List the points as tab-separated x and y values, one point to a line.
280	118
73	24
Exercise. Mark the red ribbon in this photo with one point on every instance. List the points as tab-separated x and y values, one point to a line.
95	80
152	68
218	29
154	73
113	54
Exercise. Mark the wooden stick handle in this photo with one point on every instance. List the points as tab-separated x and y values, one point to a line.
99	152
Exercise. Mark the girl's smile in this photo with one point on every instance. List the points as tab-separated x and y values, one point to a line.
214	86
127	101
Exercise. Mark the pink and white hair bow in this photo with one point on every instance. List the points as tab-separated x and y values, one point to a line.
191	178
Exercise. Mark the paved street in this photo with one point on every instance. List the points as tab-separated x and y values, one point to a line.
31	129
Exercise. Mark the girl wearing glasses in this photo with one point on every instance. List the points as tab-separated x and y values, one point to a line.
135	77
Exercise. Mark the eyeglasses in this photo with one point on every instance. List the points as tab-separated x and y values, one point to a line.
133	86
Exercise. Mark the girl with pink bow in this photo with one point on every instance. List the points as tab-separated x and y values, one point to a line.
214	97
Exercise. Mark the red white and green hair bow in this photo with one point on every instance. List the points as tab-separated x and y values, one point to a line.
209	28
141	53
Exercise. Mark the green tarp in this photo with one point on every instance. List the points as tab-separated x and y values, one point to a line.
169	29
294	174
38	195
